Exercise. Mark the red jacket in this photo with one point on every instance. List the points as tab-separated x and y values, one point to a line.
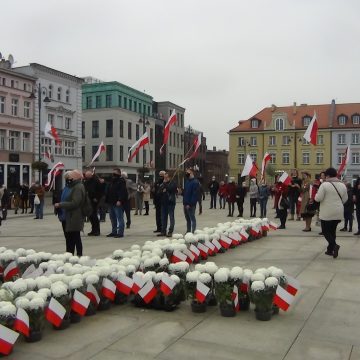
231	192
222	190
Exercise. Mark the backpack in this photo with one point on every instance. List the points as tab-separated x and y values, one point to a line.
86	207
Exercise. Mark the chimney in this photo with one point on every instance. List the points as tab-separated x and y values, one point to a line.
332	113
273	107
214	148
294	108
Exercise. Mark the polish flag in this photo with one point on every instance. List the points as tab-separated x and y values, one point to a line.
282	298
225	241
265	227
217	245
79	303
55	312
108	289
48	155
100	150
244	235
266	159
134	150
28	271
285	178
254	231
167	285
196	144
344	162
178	256
10	271
293	285
36	273
51	133
92	294
273	225
53	171
235	298
201	291
21	323
138	283
250	168
148	292
7	339
169	124
311	131
195	251
211	246
235	238
124	285
190	255
203	249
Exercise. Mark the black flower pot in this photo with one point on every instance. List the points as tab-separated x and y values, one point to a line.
104	304
91	310
34	336
197	307
64	324
263	315
158	302
227	310
211	300
120	298
75	317
275	310
244	303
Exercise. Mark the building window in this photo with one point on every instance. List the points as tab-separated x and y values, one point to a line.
121	153
98	101
2	104
319	158
14	107
241	158
58	149
355	158
340	157
94	150
67	123
151	135
341	139
46	145
95	129
83	129
59	94
342	119
121	128
135	105
109	128
286	140
26	142
137	131
305	142
83	153
50	93
320	139
51	119
241	141
59	122
119	100
2	139
108	100
130	104
253	157
68	96
129	131
356	119
306	158
109	153
355	138
89	102
306	121
285	158
125	102
253	141
254	124
12	83
272	140
69	148
273	158
14	140
27	109
279	124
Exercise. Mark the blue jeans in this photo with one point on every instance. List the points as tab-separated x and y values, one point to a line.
167	210
263	203
39	210
117	220
190	218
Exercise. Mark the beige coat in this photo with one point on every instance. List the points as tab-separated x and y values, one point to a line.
305	196
146	193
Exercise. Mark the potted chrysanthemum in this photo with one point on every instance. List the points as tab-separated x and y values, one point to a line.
60	292
76	284
192	278
262	298
92	284
240	280
211	268
173	299
7	314
271	284
223	292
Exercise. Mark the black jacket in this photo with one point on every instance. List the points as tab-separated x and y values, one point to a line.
349	205
157	193
240	193
167	192
93	189
116	191
214	187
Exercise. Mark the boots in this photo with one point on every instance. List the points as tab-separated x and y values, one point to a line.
344	229
292	217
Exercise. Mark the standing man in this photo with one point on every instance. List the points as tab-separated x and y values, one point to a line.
240	198
356	199
191	191
294	193
131	190
157	200
116	197
93	189
213	189
231	195
254	195
31	197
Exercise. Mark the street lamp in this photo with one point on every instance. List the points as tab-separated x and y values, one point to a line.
143	120
39	90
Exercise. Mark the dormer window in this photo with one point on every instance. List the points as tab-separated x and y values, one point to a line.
342	119
306	121
356	119
279	124
254	123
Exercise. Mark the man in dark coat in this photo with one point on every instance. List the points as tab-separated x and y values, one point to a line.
240	197
213	189
157	200
190	199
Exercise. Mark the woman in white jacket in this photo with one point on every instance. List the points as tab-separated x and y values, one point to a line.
331	195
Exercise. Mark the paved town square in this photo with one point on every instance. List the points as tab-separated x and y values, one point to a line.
323	323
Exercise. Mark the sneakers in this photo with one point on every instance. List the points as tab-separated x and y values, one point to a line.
118	236
343	229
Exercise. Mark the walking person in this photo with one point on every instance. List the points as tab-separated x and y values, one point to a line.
116	197
254	195
146	197
70	211
190	198
264	193
294	192
39	200
231	196
332	195
16	199
307	198
240	198
157	200
5	199
222	194
213	189
139	198
24	198
348	210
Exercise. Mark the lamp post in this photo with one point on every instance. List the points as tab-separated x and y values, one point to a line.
39	90
143	120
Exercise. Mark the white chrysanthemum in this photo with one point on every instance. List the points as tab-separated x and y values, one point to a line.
22	302
22	260
221	275
205	278
211	268
43	282
20	252
92	279
247	275
37	303
148	263
30	284
258	277
177	236
148	247
75	283
175	278
44	265
118	254
59	270
278	273
236	273
164	262
33	258
181	266
45	293
30	295
56	277
192	276
103	271
271	282
158	277
271	268
59	289
264	271
257	286
135	247
19	286
2	249
8	255
130	269
200	267
180	247
74	260
7	309
30	252
156	259
149	275
189	238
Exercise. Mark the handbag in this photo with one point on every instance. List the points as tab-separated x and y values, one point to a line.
284	203
311	207
36	200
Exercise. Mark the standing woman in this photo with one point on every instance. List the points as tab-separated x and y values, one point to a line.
283	204
231	195
254	195
332	195
72	200
240	198
146	197
139	198
264	193
306	200
222	194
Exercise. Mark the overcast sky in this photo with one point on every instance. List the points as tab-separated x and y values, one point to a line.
221	60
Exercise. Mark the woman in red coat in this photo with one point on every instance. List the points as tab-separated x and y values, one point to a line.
231	195
222	194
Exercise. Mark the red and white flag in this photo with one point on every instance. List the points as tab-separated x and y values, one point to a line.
211	246
171	121
31	268
344	162
138	283
148	292
285	178
178	256
7	340
195	251
167	285
79	303
134	150
217	245
283	299
21	323
125	284
201	291
38	272
49	156
273	225
108	289
266	159
55	312
225	241
244	287
54	172
293	285
204	250
235	298
196	145
51	133
244	235
92	294
250	169
100	150
311	131
235	238
190	255
265	227
254	231
10	271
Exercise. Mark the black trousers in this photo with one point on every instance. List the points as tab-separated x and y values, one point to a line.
348	219
358	216
213	200
253	207
282	213
329	230
146	207
231	208
240	206
73	240
94	220
158	216
127	211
